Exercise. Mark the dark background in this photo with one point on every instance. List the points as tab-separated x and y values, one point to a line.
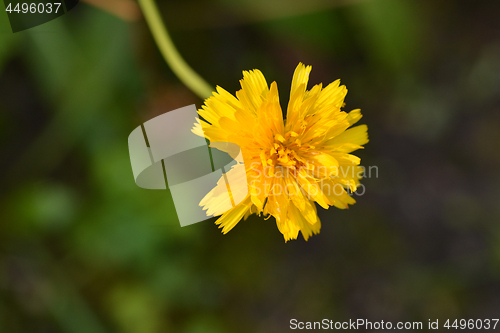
83	249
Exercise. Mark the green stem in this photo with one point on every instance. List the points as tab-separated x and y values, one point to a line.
167	48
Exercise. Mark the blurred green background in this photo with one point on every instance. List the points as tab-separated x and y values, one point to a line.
83	249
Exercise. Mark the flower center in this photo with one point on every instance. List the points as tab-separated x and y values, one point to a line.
284	152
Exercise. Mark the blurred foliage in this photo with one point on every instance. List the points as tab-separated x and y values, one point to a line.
83	249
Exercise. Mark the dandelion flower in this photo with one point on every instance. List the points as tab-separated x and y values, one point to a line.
289	164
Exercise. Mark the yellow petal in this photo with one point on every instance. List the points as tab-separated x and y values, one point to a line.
312	190
300	78
354	116
298	219
349	140
253	91
230	218
336	194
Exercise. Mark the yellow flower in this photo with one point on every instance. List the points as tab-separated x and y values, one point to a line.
291	164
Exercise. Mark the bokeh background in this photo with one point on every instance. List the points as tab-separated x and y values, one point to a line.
83	249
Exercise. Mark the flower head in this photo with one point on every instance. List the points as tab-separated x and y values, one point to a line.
289	164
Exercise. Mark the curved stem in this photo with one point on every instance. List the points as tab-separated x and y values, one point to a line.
167	48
